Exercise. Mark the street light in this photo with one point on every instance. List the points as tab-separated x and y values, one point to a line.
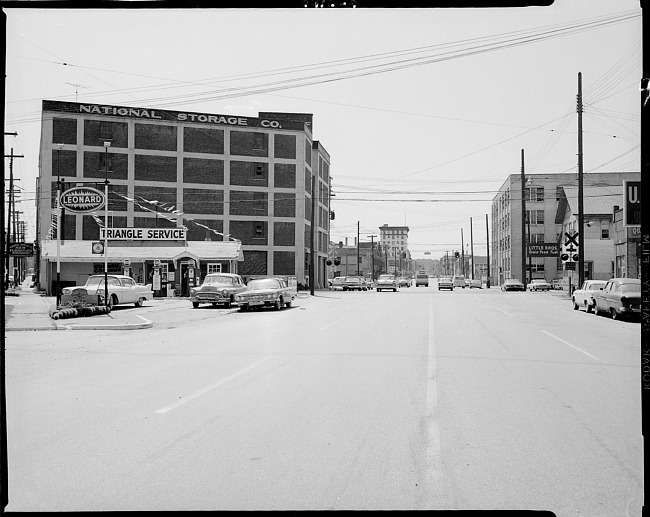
59	213
106	146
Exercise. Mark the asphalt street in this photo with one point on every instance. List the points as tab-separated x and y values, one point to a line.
418	399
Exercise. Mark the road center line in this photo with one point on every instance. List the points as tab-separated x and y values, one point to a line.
211	387
434	469
333	323
504	312
573	346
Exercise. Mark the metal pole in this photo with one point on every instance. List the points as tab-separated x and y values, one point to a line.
312	258
523	222
487	231
462	254
471	240
106	295
581	220
358	244
58	224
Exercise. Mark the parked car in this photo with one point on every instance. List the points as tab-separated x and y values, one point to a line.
619	297
336	284
459	281
421	278
584	297
217	289
559	284
387	282
355	283
121	289
512	284
266	292
539	284
403	282
444	282
475	283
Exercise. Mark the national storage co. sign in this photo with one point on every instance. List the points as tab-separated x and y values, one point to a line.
81	200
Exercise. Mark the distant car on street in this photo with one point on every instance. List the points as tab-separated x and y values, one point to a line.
336	284
584	297
459	281
422	278
475	283
558	284
355	283
620	297
386	283
217	289
444	282
512	284
402	281
539	284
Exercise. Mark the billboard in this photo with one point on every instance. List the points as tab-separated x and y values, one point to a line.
632	203
544	249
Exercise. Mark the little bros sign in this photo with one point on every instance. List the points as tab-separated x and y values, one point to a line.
143	234
545	249
81	200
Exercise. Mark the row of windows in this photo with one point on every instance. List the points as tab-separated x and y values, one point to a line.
164	168
162	137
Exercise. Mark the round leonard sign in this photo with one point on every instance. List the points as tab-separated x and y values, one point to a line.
80	200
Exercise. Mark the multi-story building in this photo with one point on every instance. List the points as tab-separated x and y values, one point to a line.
542	196
240	189
394	241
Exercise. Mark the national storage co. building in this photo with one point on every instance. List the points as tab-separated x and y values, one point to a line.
186	190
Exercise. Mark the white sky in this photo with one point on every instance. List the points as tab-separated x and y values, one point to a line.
446	133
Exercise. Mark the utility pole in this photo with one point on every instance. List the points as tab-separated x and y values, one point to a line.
471	240
358	244
462	254
487	232
372	255
581	216
523	221
9	205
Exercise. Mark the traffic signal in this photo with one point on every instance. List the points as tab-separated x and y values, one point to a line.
337	261
457	254
564	256
576	257
328	262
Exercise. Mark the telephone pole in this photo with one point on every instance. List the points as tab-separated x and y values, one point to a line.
523	222
581	218
471	247
487	232
372	255
9	210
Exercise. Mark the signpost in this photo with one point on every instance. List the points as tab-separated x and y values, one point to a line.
632	203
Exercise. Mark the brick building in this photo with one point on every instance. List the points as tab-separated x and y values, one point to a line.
240	187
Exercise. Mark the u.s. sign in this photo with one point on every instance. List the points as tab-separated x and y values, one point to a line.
82	199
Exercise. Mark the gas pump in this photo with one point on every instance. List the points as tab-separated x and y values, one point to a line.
156	278
191	281
126	270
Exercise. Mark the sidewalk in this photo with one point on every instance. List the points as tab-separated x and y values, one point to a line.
31	311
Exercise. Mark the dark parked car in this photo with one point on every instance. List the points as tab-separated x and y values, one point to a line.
512	284
355	283
619	297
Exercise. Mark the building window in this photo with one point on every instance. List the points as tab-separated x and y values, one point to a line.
214	268
535	194
535	216
103	158
604	229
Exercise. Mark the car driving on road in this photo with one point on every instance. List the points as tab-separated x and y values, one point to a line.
512	284
386	283
217	289
355	283
266	292
444	282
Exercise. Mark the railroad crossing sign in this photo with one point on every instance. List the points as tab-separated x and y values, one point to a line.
570	247
572	238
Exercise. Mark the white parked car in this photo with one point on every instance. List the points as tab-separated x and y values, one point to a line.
584	297
121	289
539	284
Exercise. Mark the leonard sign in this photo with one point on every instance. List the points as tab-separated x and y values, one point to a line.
81	200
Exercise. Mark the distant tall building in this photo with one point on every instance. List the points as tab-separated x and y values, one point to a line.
394	241
543	193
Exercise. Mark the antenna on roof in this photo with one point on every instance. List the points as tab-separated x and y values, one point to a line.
76	89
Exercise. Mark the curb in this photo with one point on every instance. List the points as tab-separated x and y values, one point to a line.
122	326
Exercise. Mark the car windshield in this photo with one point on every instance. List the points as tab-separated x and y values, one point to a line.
263	283
629	288
218	279
353	279
98	281
338	280
444	279
386	277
